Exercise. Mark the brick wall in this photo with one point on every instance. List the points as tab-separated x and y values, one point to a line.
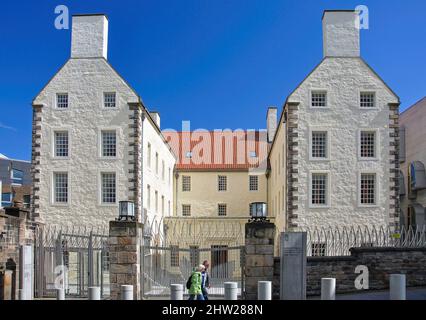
381	262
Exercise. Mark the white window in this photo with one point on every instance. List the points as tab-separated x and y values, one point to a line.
253	183
109	141
221	209
148	196
163	169
156	201
60	187
62	100
108	191
253	154
367	146
319	99
149	155
319	189
221	183
367	100
17	177
156	163
319	144
109	99
186	210
368	189
186	183
61	144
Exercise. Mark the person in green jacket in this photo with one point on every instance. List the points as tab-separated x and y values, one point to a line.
195	291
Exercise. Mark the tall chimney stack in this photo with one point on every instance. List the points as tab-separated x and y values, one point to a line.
340	33
89	37
271	123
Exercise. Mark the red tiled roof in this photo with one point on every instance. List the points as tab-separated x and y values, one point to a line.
213	150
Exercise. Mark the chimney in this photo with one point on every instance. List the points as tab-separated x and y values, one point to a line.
89	37
156	117
271	123
340	33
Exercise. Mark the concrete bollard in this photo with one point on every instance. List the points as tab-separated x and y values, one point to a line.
94	293
397	290
60	294
126	292
176	292
264	290
328	289
231	290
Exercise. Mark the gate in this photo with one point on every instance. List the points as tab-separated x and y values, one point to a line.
163	266
76	256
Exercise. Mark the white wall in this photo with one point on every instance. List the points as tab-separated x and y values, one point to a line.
164	187
343	78
84	80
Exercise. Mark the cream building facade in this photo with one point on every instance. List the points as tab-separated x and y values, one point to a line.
90	129
215	181
413	160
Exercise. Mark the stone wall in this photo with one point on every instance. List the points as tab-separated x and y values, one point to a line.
381	262
124	255
259	256
16	229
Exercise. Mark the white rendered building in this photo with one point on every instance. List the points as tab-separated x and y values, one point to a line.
337	140
91	133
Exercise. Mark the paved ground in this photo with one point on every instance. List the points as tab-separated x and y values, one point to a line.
412	294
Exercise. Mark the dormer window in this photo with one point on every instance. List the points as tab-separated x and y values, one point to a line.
188	154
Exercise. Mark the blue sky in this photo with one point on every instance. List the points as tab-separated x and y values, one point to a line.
217	63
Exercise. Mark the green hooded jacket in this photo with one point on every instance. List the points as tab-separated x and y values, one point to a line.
195	283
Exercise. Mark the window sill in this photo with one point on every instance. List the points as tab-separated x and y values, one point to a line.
112	204
368	159
57	204
319	159
319	206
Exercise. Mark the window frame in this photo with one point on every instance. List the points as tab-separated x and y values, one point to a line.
54	148
219	184
362	91
53	201
328	186
376	142
257	182
376	189
100	188
186	206
9	202
183	189
319	90
219	206
12	177
312	130
115	102
57	100
101	146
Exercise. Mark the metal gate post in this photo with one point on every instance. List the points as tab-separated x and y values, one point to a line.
90	273
142	266
242	264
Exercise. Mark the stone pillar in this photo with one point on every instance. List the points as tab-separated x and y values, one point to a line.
259	256
124	252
